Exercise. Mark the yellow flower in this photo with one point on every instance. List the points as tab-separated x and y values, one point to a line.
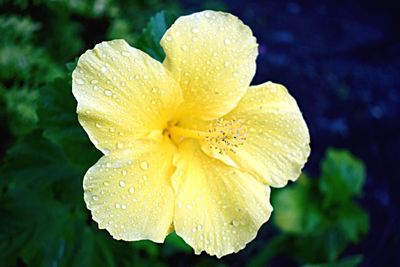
189	146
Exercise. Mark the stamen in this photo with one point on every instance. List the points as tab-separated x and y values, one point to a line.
226	135
222	135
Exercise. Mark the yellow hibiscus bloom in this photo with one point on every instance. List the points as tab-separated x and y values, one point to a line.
189	146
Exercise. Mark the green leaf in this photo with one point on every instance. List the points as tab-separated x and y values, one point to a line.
40	199
295	211
273	248
352	261
175	244
353	221
20	107
21	61
342	176
149	40
59	120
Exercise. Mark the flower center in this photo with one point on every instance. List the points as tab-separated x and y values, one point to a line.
222	135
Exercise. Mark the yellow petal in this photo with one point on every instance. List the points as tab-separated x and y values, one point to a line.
276	144
218	209
122	94
129	193
212	56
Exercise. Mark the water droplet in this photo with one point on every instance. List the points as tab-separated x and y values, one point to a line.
227	41
189	207
120	145
117	205
103	69
226	64
95	198
112	129
80	81
184	47
106	183
169	38
107	92
98	125
235	223
123	206
195	30
121	183
94	81
124	172
199	227
125	53
123	83
144	165
132	190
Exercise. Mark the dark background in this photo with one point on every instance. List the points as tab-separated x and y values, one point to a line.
339	59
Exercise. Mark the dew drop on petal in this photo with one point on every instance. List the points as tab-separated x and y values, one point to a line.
125	53
80	81
184	47
107	92
227	41
144	165
120	145
195	30
132	190
124	172
95	198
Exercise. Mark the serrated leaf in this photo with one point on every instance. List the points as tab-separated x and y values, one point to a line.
57	112
294	209
342	176
353	221
175	244
149	40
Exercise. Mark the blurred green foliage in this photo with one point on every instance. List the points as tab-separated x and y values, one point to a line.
45	153
319	218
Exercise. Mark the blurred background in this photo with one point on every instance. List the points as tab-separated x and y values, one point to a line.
339	59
